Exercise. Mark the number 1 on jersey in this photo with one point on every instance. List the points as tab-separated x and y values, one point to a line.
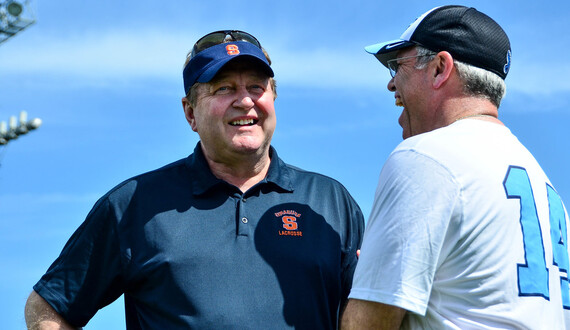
533	275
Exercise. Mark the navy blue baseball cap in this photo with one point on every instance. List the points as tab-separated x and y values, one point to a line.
467	34
204	65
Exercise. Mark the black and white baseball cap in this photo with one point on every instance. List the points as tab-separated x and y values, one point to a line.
467	34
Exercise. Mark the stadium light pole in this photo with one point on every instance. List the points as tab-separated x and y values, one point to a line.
15	16
14	129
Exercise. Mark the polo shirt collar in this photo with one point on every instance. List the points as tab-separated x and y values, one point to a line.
278	173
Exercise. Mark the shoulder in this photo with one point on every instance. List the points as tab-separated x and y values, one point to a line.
301	176
453	147
286	174
330	199
417	165
314	188
150	180
418	155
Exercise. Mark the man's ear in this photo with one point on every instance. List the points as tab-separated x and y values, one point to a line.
189	113
443	68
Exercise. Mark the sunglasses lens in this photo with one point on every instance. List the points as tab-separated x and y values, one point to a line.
216	38
243	36
392	67
209	41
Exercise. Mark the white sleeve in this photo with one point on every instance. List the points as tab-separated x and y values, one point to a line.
405	233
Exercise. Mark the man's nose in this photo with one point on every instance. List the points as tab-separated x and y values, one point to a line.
391	86
243	99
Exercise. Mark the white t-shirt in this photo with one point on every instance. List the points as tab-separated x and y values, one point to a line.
461	234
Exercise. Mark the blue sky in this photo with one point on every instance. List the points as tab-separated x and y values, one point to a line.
105	78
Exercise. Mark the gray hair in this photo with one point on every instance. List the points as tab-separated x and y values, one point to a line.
477	82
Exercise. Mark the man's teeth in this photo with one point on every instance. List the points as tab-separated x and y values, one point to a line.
399	103
242	122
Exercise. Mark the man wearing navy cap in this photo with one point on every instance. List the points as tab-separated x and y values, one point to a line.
466	230
230	237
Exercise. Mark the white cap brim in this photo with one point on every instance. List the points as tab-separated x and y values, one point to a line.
386	51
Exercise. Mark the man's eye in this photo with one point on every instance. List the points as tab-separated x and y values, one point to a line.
257	87
222	89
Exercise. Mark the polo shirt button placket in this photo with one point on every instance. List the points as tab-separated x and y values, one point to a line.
243	222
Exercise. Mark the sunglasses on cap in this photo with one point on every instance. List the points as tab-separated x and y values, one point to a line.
223	36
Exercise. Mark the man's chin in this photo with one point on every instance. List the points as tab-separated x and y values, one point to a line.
251	147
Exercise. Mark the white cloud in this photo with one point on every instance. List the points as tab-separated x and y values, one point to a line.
124	54
132	54
539	79
114	54
326	67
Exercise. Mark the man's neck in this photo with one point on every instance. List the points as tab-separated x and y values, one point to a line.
470	107
243	171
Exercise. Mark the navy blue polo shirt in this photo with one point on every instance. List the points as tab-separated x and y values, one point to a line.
189	250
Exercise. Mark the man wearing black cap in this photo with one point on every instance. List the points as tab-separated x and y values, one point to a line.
230	237
466	230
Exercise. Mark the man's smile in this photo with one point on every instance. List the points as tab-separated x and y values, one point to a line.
243	122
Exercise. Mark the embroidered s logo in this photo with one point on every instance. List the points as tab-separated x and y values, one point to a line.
232	49
289	219
290	223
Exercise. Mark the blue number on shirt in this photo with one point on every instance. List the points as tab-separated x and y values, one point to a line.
533	274
559	238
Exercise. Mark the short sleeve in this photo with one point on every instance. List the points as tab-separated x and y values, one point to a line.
355	226
87	274
412	209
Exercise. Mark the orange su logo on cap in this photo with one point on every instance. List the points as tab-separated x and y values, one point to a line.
232	49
